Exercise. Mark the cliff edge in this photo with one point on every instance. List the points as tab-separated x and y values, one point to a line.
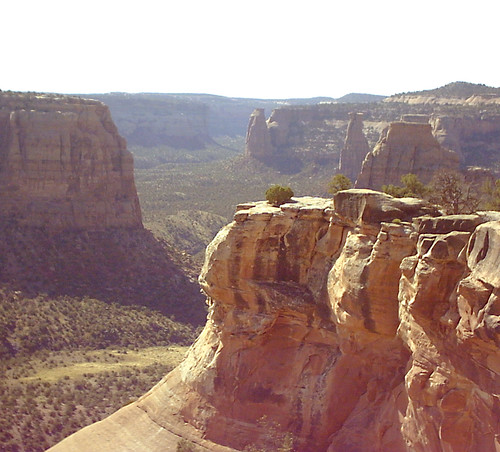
363	323
63	164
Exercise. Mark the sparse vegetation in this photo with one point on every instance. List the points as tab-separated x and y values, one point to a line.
273	438
491	194
339	182
412	187
186	446
277	195
450	190
49	395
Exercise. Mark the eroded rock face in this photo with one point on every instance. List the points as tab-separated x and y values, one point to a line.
405	147
474	138
337	325
64	165
258	139
355	147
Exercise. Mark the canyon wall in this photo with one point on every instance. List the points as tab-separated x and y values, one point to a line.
475	138
64	165
295	136
363	323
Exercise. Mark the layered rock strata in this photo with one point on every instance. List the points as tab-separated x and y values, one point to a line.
475	138
405	147
351	325
63	164
294	136
355	148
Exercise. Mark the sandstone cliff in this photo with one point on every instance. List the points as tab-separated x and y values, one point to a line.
347	326
475	138
355	147
405	147
258	139
295	136
64	165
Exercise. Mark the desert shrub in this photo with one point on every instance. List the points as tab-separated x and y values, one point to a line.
339	182
453	193
278	194
186	446
491	194
274	438
412	187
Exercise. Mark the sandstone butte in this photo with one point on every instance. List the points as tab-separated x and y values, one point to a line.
366	323
63	164
405	147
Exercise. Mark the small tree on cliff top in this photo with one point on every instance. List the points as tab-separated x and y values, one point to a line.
277	195
339	182
412	187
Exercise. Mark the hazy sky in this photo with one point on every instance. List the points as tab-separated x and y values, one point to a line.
251	48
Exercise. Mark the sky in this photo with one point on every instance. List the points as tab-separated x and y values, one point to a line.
252	48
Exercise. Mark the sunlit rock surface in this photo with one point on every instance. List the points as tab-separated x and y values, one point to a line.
63	164
338	325
405	147
355	148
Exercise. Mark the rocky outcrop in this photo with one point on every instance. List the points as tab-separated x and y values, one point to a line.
355	147
297	135
63	164
336	325
258	140
405	147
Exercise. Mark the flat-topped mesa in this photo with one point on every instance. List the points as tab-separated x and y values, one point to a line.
421	119
355	148
405	147
258	139
63	164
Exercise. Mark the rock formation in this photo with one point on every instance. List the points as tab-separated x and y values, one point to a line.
357	324
64	165
476	138
405	147
355	147
294	136
258	139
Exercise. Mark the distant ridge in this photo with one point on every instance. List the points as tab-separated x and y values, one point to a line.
360	98
456	90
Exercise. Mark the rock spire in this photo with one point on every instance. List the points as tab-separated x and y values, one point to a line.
355	147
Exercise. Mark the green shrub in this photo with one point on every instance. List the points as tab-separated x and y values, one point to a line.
412	187
339	182
277	195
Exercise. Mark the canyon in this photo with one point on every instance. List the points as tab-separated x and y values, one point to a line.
70	218
359	323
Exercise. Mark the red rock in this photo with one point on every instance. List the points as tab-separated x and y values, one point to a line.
347	334
404	147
